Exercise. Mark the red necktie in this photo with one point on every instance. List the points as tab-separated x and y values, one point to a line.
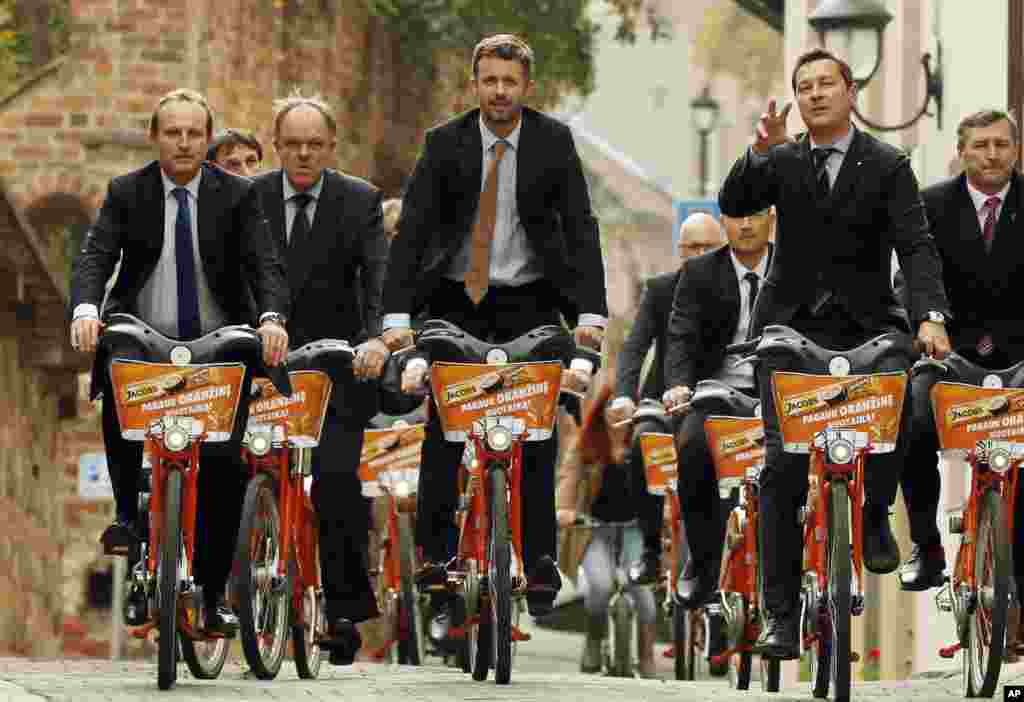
988	231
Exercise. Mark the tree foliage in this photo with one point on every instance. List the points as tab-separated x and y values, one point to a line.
560	32
735	43
32	32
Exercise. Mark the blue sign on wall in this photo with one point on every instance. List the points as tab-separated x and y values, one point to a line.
685	208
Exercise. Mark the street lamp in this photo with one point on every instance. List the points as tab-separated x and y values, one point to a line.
853	29
704	113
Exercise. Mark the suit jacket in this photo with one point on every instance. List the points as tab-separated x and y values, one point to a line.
981	286
242	264
553	202
840	247
705	310
650	326
338	276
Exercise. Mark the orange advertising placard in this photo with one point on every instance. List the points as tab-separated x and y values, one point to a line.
303	412
145	392
736	443
967	414
660	461
806	404
390	456
466	392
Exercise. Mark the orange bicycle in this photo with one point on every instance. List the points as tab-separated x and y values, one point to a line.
839	418
277	585
389	469
980	420
493	397
175	407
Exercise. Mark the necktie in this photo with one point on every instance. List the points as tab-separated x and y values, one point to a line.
988	231
753	279
188	294
299	236
820	158
478	275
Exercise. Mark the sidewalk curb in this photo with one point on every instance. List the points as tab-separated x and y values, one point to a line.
9	692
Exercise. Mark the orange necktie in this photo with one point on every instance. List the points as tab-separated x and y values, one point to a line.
478	275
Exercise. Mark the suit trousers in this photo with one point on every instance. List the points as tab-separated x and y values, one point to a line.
502	315
783	481
343	515
221	485
650	508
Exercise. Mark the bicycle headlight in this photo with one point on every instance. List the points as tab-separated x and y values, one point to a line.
260	443
840	451
999	460
499	438
177	437
402	488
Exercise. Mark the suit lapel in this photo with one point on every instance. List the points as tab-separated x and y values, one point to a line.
730	287
157	205
849	172
1006	243
209	185
524	170
969	240
471	147
273	209
808	168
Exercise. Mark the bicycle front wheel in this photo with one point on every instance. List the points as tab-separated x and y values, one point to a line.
263	595
411	635
840	569
170	553
205	658
500	579
986	625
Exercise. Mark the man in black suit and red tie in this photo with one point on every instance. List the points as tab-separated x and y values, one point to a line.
496	236
844	201
195	256
331	226
974	222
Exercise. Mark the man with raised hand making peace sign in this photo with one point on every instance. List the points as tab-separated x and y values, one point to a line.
844	201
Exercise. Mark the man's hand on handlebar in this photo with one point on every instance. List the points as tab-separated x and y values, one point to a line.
275	343
932	340
677	400
566	518
397	338
85	334
575	381
370	358
620	411
589	337
414	379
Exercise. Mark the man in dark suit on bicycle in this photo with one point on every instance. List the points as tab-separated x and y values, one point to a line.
195	255
844	201
496	236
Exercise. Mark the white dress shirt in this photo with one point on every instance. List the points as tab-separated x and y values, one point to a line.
291	207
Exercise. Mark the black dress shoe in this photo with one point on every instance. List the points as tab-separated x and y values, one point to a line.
343	641
221	621
925	568
692	589
120	539
881	553
542	587
779	637
645	571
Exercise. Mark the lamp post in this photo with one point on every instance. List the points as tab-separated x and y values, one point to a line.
853	29
704	113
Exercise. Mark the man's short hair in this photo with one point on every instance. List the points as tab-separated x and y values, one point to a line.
822	55
504	46
283	106
181	95
984	118
231	139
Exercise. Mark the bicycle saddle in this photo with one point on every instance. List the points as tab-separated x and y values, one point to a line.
958	369
231	344
715	397
807	356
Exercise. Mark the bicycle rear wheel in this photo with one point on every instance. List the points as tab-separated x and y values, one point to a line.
986	625
263	596
840	569
306	633
170	553
500	579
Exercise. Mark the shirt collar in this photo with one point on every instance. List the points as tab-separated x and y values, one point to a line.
742	270
490	138
843	145
290	191
979	198
192	186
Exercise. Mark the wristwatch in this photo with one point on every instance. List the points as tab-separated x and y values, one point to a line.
936	317
275	317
